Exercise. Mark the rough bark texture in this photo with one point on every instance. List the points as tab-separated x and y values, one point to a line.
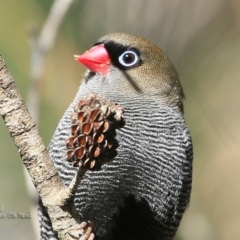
55	196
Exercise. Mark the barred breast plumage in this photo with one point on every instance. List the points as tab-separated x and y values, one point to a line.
144	192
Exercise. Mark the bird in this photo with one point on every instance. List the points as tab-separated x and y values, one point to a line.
144	192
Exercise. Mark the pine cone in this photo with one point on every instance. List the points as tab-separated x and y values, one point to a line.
92	141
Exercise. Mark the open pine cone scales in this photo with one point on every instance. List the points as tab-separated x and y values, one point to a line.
92	141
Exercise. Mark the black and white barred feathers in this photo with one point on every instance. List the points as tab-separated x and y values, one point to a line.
144	192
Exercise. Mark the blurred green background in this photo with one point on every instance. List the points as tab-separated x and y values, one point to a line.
202	38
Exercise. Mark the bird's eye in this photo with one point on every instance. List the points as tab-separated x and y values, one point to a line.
128	58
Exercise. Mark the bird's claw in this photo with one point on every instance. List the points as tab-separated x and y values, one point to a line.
86	229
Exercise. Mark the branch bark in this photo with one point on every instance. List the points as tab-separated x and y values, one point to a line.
57	198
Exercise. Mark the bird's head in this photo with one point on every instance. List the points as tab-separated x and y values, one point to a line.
135	66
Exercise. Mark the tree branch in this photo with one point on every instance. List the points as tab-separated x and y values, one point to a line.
55	196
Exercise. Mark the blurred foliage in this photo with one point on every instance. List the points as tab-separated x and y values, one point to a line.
203	40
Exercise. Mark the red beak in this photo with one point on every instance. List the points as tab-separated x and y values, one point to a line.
96	59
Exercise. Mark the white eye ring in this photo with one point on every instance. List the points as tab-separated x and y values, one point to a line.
128	58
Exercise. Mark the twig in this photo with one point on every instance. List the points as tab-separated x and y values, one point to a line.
40	48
